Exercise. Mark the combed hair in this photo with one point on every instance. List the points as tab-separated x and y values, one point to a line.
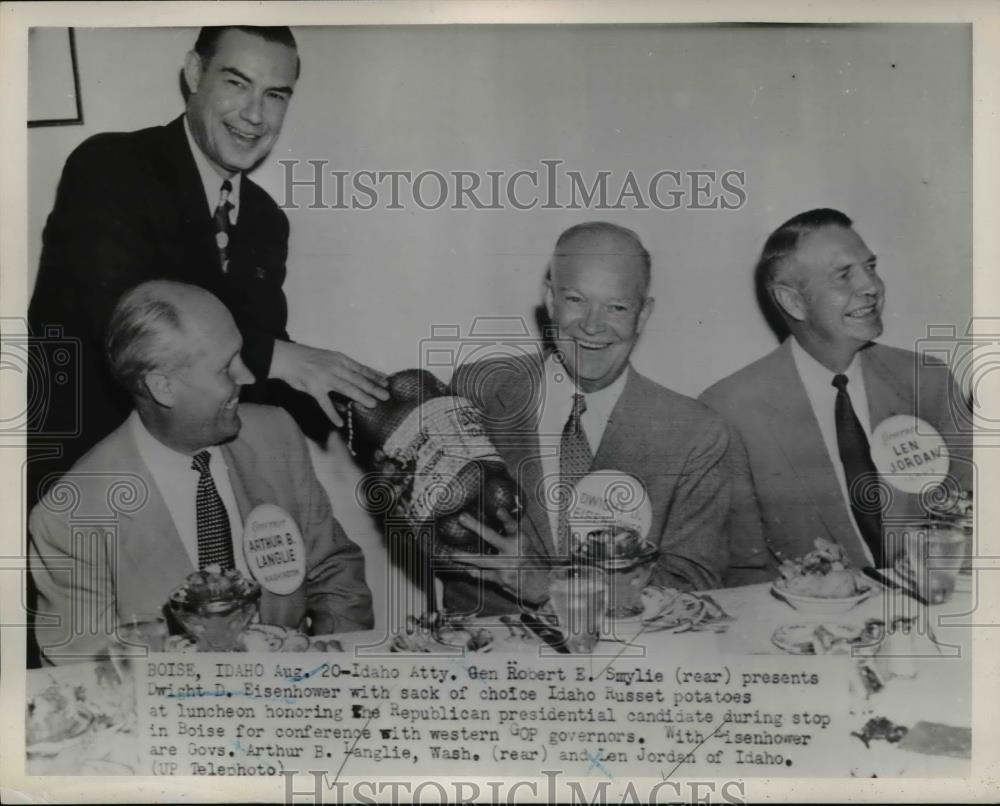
779	247
208	39
597	229
142	337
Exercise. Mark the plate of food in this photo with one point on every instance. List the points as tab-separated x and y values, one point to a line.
678	611
78	702
434	634
257	638
818	639
215	607
273	638
56	719
821	582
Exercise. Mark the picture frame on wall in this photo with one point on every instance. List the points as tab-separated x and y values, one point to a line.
54	97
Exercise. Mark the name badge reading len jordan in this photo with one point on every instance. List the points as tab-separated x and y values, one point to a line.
909	453
274	549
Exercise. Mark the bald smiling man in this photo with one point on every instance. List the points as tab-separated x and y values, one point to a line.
597	297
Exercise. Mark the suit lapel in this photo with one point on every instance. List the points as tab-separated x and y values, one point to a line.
623	434
148	538
796	434
189	202
885	397
249	485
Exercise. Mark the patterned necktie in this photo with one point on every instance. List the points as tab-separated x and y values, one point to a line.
859	471
574	463
215	540
222	225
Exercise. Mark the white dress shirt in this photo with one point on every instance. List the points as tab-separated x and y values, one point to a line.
822	394
211	180
177	482
556	403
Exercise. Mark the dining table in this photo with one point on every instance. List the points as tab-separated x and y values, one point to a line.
927	675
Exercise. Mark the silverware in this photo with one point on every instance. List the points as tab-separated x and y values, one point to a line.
881	578
548	634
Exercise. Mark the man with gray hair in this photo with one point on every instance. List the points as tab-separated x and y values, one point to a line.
581	408
807	410
179	480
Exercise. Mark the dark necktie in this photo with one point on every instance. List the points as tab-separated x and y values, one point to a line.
574	463
215	540
222	225
859	471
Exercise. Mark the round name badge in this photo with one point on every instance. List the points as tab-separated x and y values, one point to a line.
909	453
610	498
274	549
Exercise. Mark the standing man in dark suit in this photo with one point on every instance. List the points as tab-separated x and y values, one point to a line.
806	411
175	202
584	408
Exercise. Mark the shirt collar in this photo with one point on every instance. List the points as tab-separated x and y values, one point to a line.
602	402
158	456
211	180
815	376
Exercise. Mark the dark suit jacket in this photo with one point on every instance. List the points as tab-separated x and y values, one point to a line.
131	207
673	444
104	546
792	473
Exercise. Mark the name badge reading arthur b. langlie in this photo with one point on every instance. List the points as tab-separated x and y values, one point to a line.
909	453
274	549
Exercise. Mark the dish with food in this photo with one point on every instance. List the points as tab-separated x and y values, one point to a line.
65	712
273	638
821	581
260	638
818	639
435	633
670	609
56	719
214	607
627	561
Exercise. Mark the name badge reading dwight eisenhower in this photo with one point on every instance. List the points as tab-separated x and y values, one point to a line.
909	453
610	499
274	549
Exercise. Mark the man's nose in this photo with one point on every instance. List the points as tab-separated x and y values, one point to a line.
241	375
253	109
867	281
593	319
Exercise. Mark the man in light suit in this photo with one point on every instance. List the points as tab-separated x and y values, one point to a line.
171	487
794	419
597	298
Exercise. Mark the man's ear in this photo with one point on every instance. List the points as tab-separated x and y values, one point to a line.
160	388
550	300
789	300
193	71
647	308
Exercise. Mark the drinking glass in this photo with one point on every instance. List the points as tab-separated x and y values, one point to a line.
578	594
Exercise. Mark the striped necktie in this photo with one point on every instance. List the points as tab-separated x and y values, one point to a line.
215	539
574	463
223	227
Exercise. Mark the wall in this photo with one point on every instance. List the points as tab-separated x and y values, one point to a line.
873	120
